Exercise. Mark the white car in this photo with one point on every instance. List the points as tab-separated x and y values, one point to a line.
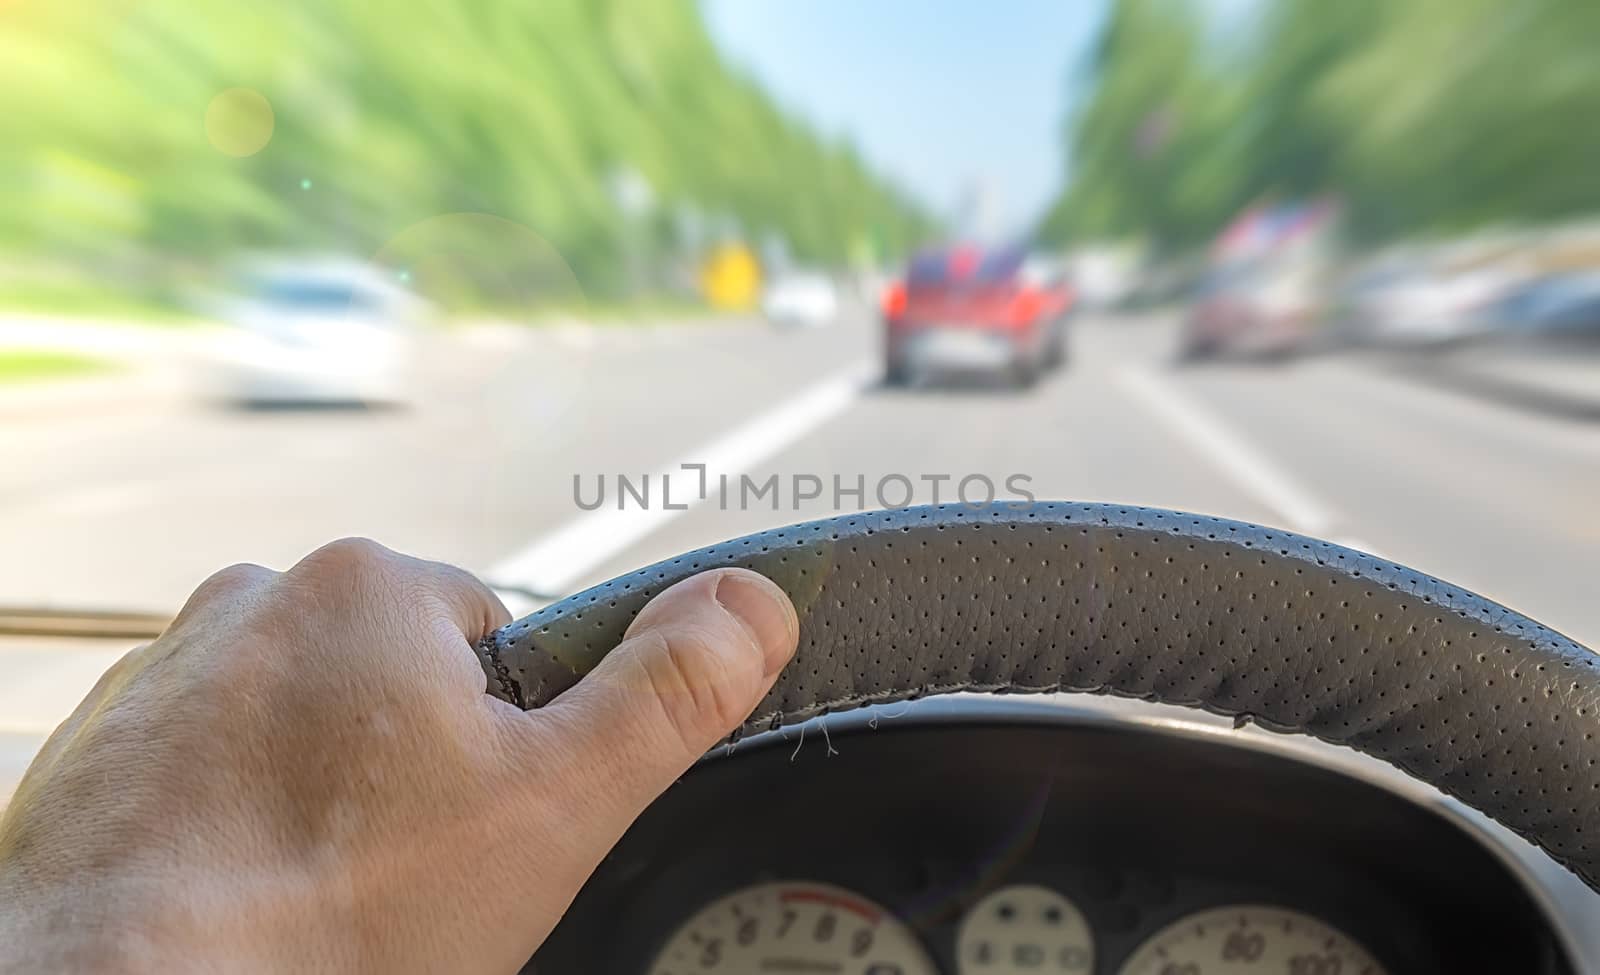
317	331
801	298
1430	309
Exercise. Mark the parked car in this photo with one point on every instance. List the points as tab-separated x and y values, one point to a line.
316	331
1558	309
1537	345
1417	306
965	310
1356	302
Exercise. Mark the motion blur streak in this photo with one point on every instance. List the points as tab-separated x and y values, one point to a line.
612	129
274	274
1408	178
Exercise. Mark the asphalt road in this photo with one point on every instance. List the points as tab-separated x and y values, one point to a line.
130	507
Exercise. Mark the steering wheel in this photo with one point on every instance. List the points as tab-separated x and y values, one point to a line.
1295	634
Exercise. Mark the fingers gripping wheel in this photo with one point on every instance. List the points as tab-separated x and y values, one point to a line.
1299	635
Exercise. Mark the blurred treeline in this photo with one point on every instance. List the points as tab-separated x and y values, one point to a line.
612	130
1420	116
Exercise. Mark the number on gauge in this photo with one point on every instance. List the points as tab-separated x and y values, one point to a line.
1024	928
1250	940
793	927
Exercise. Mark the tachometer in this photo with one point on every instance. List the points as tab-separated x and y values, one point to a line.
793	927
1250	940
1024	928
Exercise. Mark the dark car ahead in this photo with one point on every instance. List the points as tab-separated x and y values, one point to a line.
963	310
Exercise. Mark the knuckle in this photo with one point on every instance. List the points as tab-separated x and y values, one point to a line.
225	585
345	556
701	695
470	603
241	575
438	581
454	580
349	575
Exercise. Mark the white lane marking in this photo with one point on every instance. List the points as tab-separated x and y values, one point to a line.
1236	457
555	562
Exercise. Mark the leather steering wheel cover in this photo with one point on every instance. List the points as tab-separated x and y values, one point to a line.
1296	634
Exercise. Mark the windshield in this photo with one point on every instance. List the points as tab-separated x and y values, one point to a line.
594	221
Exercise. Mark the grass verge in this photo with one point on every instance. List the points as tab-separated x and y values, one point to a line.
33	365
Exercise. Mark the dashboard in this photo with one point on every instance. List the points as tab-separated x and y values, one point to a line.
980	844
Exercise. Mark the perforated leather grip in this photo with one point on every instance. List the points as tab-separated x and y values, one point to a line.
1299	635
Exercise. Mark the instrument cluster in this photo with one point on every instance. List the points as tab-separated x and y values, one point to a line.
1046	848
1016	929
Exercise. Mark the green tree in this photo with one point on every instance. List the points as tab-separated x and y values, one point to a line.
388	115
1420	115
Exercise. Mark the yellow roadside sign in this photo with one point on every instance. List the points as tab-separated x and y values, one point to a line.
731	278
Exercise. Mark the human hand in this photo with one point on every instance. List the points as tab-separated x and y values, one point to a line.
304	772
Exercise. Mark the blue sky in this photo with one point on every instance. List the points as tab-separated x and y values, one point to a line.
941	95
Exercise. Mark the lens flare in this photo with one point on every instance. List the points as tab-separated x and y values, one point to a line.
239	122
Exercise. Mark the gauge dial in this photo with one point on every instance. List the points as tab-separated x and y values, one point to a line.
1024	928
1250	940
793	927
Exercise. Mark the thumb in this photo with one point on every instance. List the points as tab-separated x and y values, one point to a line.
693	665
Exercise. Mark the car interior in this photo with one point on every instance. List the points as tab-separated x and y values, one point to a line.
1298	301
980	836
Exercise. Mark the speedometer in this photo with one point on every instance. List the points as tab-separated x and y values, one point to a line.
1250	940
793	927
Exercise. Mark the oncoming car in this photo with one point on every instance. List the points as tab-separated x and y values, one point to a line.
316	331
806	299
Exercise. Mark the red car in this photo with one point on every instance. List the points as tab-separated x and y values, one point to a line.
963	310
